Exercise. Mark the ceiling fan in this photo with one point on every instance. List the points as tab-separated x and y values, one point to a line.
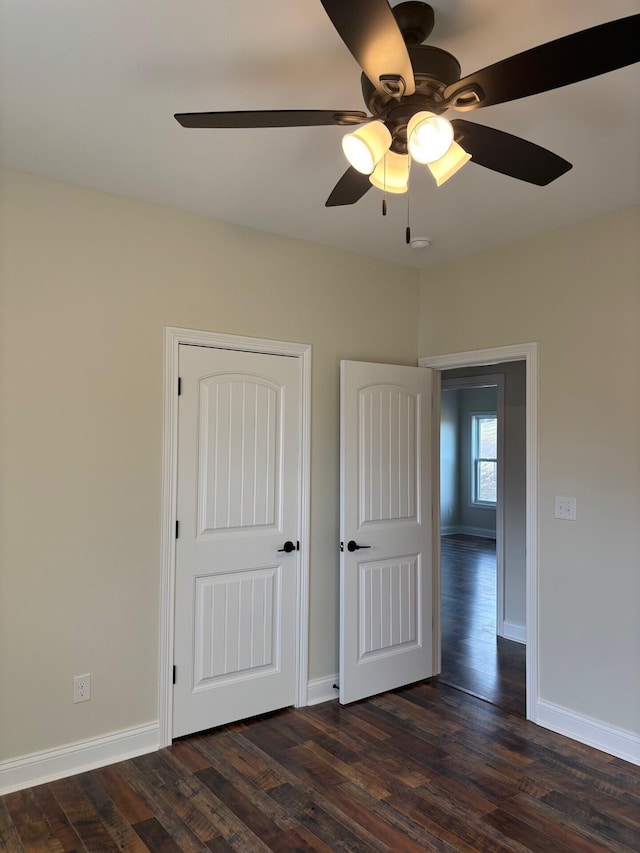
407	86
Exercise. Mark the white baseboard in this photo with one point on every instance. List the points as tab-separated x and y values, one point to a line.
609	739
322	690
482	532
40	767
513	631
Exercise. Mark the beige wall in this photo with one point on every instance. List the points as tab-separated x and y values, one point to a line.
89	281
576	292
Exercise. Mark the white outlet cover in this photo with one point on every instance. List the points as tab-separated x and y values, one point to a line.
82	688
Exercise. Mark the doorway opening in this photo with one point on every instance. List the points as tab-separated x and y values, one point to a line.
510	612
481	650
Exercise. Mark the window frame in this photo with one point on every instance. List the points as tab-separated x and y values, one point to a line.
475	418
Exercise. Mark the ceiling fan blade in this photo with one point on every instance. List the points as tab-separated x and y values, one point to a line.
509	154
272	118
566	60
371	33
349	189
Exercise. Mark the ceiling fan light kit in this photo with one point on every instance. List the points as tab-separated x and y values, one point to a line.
407	86
392	173
430	142
429	137
447	166
366	146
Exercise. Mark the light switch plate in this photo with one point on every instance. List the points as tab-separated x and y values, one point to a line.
566	507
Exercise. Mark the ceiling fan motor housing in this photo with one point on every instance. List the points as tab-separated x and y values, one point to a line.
415	21
434	69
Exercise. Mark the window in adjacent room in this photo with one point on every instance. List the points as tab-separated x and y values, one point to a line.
484	459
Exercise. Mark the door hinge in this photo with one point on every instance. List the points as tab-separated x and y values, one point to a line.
179	385
342	547
174	674
177	529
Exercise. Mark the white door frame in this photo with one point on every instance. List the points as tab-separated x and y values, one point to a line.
494	381
173	338
527	352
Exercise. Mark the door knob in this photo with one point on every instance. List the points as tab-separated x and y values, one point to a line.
353	546
288	547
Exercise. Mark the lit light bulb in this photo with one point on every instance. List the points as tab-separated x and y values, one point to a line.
366	146
429	137
447	166
392	173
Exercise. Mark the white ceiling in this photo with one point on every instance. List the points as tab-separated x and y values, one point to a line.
88	89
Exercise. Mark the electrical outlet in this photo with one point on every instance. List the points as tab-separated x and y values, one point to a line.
82	688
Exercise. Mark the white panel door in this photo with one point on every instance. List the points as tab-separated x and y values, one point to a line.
385	566
237	505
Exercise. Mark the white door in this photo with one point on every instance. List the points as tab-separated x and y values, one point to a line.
385	566
237	506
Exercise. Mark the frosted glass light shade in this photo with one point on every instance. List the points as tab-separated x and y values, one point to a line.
366	146
429	137
447	166
392	173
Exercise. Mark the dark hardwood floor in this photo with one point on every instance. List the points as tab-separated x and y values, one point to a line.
423	768
429	767
473	658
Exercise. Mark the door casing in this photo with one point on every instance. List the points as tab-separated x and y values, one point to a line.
175	336
527	352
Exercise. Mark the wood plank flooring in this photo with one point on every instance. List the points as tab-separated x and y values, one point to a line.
423	768
473	658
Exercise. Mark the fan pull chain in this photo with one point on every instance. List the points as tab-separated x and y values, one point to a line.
408	229
384	182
